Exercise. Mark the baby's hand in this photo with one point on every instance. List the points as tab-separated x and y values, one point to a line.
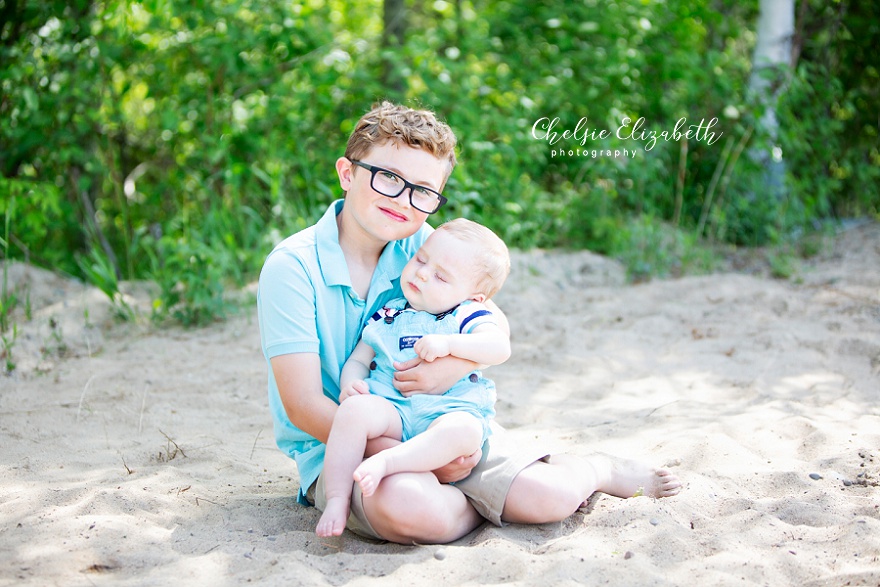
356	387
432	346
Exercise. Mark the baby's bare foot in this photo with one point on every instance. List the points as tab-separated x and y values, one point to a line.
369	473
332	521
626	478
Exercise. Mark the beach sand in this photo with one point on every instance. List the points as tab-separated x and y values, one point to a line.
133	455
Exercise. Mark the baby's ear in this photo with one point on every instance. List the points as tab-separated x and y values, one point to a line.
479	298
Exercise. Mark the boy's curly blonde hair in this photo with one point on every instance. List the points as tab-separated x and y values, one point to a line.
388	122
490	257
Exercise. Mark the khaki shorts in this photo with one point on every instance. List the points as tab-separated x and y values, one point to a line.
486	487
489	483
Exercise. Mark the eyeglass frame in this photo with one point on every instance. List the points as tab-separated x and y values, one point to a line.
407	185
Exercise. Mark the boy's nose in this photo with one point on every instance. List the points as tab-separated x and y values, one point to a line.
403	198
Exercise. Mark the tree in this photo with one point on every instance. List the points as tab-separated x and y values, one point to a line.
771	65
394	32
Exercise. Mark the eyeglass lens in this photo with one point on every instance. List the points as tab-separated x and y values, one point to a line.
389	184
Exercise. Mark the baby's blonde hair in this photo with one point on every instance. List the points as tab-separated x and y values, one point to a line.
491	259
401	125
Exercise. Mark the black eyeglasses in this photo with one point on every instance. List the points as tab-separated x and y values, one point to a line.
392	185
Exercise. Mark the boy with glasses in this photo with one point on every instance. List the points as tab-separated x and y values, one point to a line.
317	291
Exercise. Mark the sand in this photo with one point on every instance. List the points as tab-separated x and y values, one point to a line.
133	455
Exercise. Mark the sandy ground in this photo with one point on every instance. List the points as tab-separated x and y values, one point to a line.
136	456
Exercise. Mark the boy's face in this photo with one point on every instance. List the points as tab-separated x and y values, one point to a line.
383	218
440	275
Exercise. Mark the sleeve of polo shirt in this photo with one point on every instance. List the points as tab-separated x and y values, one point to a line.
287	306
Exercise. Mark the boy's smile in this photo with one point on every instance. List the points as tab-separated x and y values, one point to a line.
392	214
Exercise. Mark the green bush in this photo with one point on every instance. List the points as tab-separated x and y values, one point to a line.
179	143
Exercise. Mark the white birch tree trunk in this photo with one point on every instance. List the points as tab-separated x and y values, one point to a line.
770	70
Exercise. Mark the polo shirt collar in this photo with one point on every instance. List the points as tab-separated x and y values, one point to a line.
334	269
333	266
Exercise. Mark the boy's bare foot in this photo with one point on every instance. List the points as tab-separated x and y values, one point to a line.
332	521
626	478
370	472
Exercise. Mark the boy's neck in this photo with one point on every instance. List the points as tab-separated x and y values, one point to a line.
357	244
361	253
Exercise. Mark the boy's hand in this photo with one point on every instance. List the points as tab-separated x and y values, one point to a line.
436	378
459	468
432	346
356	387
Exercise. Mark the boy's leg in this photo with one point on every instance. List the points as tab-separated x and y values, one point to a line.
448	437
357	420
408	508
516	482
414	508
553	489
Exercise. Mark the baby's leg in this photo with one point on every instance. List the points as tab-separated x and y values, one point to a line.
358	419
450	436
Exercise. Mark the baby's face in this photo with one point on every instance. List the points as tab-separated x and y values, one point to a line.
440	275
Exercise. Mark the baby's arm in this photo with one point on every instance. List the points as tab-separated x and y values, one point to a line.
355	370
500	317
486	344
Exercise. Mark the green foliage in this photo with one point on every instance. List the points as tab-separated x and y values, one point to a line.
783	264
40	222
180	142
190	280
8	298
822	156
649	247
7	342
99	270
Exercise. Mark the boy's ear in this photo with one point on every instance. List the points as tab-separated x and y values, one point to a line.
480	298
343	170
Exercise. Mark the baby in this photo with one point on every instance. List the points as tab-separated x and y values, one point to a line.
460	266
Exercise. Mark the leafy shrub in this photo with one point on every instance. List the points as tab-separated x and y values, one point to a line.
183	142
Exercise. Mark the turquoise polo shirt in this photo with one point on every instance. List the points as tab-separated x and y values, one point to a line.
306	304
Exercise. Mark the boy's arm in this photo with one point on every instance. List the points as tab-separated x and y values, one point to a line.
298	376
434	378
299	384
